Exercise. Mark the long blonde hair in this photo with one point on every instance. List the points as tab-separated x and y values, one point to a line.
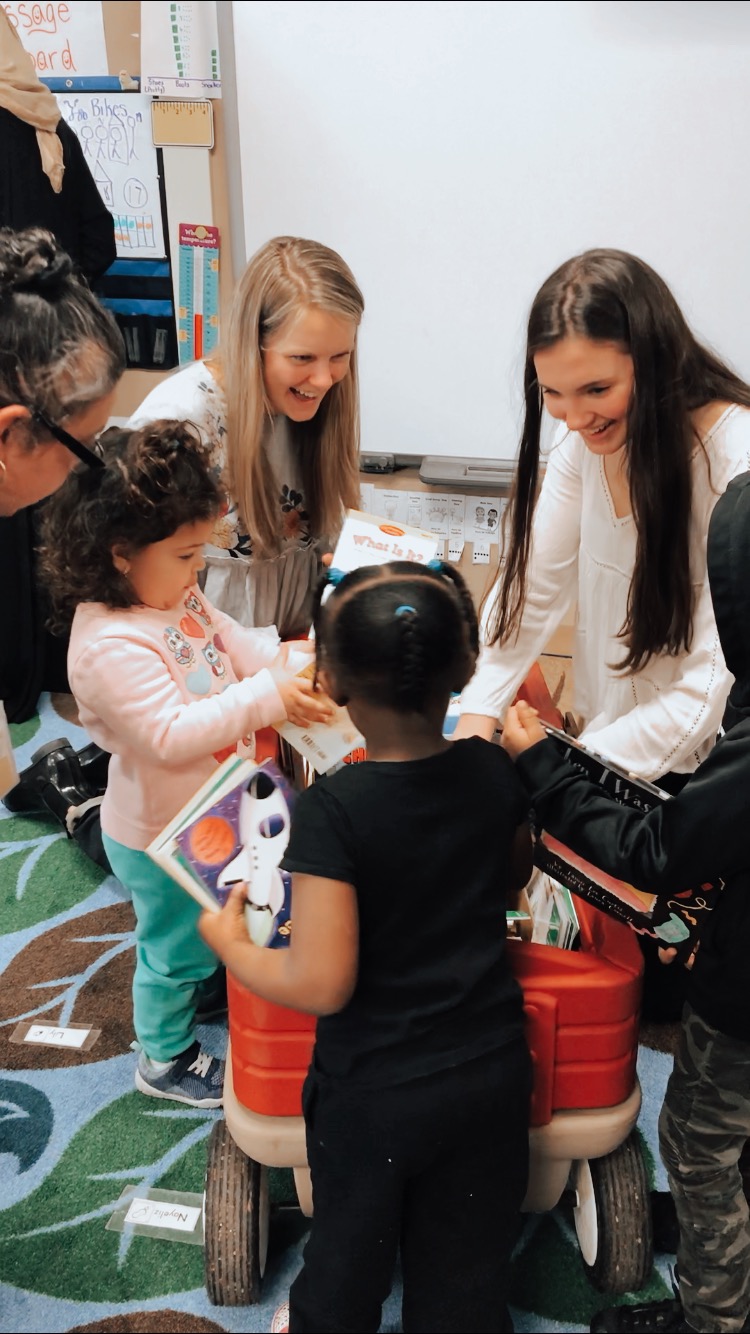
284	276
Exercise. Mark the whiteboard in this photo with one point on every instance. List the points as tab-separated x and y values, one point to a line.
114	130
455	153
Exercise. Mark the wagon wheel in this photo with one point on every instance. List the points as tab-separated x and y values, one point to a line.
236	1222
613	1218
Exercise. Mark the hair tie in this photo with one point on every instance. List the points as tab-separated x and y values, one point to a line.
435	565
335	576
401	611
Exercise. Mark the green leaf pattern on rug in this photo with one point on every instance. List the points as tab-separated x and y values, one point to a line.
37	879
20	733
549	1278
25	1122
130	1142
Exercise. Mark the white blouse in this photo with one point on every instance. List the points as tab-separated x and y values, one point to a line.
666	716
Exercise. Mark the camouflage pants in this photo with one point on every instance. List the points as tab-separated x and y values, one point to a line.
703	1128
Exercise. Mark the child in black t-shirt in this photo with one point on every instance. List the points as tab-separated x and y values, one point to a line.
416	1103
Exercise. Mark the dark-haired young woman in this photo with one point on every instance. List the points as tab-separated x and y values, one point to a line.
653	426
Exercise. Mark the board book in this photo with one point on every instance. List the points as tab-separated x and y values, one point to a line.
365	539
673	921
235	828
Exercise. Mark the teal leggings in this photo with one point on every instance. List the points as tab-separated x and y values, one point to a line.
170	956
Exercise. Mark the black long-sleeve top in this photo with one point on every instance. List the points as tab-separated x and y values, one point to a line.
77	216
697	836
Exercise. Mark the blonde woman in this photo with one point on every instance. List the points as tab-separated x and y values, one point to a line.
279	404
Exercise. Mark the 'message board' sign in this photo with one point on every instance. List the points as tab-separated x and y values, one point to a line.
62	38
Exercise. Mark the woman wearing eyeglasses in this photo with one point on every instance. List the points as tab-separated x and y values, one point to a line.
61	356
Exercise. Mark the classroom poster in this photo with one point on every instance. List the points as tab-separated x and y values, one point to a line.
114	130
62	39
180	49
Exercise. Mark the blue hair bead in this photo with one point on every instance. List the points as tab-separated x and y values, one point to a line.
435	565
401	611
335	576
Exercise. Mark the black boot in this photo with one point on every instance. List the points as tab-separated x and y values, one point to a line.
94	764
86	832
51	784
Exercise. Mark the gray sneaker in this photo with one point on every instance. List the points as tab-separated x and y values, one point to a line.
195	1077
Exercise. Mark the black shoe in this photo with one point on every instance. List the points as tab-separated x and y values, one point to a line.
51	784
666	1317
86	832
664	1222
211	997
94	764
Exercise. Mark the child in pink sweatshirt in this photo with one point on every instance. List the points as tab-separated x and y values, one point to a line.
170	686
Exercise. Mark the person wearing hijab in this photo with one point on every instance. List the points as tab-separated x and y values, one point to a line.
44	182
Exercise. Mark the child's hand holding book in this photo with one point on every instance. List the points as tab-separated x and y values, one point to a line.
226	932
305	703
521	729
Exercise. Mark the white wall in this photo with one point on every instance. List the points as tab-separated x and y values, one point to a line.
456	153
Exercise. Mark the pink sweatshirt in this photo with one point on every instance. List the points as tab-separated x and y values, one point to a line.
169	694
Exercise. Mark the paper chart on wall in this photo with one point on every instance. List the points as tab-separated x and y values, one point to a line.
454	518
180	50
62	39
114	131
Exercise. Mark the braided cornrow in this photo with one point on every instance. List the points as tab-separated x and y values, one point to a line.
411	684
401	633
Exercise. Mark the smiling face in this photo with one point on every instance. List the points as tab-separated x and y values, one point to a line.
589	386
161	573
304	359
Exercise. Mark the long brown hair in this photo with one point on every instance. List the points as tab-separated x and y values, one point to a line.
611	296
283	277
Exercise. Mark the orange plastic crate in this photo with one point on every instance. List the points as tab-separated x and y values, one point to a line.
581	1023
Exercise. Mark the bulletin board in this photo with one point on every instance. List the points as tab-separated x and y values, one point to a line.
114	131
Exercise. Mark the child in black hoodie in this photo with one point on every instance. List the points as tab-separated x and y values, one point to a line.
699	835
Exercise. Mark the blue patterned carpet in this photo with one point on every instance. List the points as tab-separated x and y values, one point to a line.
74	1133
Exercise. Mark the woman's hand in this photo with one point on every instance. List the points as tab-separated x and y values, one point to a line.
304	702
521	729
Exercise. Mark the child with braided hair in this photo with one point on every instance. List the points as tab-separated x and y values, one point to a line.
416	1103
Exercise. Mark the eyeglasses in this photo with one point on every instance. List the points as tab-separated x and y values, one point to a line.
77	447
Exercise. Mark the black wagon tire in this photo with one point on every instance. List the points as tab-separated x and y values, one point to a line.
236	1213
612	1218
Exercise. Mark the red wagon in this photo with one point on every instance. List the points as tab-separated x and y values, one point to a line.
582	1026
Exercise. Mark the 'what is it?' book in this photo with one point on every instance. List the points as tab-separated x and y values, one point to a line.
365	539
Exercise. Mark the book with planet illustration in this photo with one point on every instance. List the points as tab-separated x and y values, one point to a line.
235	829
